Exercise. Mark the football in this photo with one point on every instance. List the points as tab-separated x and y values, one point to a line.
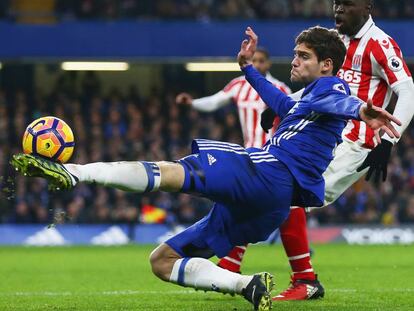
49	137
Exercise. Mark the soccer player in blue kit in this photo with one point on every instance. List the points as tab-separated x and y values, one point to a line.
253	188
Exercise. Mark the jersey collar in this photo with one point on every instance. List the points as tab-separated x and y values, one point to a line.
309	87
369	23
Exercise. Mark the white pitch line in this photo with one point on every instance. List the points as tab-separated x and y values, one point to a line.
341	290
375	290
177	292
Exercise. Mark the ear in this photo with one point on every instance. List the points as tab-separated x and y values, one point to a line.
327	66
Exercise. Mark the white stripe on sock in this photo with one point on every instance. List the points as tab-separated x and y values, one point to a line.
304	271
233	260
299	256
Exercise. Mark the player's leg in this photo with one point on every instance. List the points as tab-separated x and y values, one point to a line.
293	234
183	260
342	171
304	284
234	259
339	176
196	272
136	176
243	180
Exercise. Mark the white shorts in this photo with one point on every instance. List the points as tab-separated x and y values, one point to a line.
341	172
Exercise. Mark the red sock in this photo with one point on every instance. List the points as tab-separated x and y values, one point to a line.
233	260
294	237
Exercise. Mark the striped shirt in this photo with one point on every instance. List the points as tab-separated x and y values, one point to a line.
373	66
250	106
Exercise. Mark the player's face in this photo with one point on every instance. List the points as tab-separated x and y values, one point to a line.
350	15
305	65
261	62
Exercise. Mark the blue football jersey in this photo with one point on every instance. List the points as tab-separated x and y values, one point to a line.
310	129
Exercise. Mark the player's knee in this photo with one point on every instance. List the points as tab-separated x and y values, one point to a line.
156	262
162	262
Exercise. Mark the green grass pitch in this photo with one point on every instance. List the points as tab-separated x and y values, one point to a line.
119	278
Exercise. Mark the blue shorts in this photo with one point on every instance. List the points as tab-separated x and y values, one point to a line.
252	190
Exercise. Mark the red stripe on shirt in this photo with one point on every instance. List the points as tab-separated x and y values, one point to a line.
237	97
255	120
366	70
249	90
232	84
363	88
350	53
246	134
381	58
398	52
353	134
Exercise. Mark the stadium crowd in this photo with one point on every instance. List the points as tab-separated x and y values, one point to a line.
202	10
115	126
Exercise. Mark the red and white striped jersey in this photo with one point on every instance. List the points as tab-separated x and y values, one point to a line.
250	107
373	66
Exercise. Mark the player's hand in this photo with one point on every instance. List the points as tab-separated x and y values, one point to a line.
248	48
377	161
267	119
184	98
379	119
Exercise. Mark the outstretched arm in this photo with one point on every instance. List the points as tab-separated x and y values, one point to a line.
205	104
377	160
272	96
337	103
379	119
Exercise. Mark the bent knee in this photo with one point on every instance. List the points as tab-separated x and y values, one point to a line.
162	262
156	261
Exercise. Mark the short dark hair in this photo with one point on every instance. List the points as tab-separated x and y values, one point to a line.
264	51
326	43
